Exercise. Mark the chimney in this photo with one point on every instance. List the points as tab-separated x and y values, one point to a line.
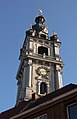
33	96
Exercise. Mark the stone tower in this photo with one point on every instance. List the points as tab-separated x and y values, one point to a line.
40	69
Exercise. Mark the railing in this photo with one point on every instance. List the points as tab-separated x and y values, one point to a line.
45	56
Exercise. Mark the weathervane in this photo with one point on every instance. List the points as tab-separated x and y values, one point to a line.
40	12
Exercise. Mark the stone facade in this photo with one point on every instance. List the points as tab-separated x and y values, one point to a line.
40	69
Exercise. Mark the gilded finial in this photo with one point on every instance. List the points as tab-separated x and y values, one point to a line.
54	33
31	26
40	12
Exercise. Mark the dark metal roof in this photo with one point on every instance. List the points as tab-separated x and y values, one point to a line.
52	95
25	105
13	111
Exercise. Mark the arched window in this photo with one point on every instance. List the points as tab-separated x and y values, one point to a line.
42	50
43	88
43	36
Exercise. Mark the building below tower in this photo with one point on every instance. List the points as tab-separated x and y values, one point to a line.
60	104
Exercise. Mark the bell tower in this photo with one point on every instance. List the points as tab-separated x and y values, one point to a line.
40	68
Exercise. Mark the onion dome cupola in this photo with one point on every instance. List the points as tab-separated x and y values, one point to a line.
39	29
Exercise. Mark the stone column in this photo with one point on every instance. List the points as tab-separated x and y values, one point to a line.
52	78
23	83
18	90
35	49
30	75
39	87
58	77
30	47
57	80
48	88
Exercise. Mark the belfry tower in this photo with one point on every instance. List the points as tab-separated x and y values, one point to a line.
40	69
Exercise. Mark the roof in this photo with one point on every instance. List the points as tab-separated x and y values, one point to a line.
25	105
13	111
52	95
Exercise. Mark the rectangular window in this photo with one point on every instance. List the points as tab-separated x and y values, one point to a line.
42	117
72	111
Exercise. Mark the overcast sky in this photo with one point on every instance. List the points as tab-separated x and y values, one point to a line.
16	16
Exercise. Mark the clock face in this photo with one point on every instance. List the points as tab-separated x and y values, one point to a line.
42	71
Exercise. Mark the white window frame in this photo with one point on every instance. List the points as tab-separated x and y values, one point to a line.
39	83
